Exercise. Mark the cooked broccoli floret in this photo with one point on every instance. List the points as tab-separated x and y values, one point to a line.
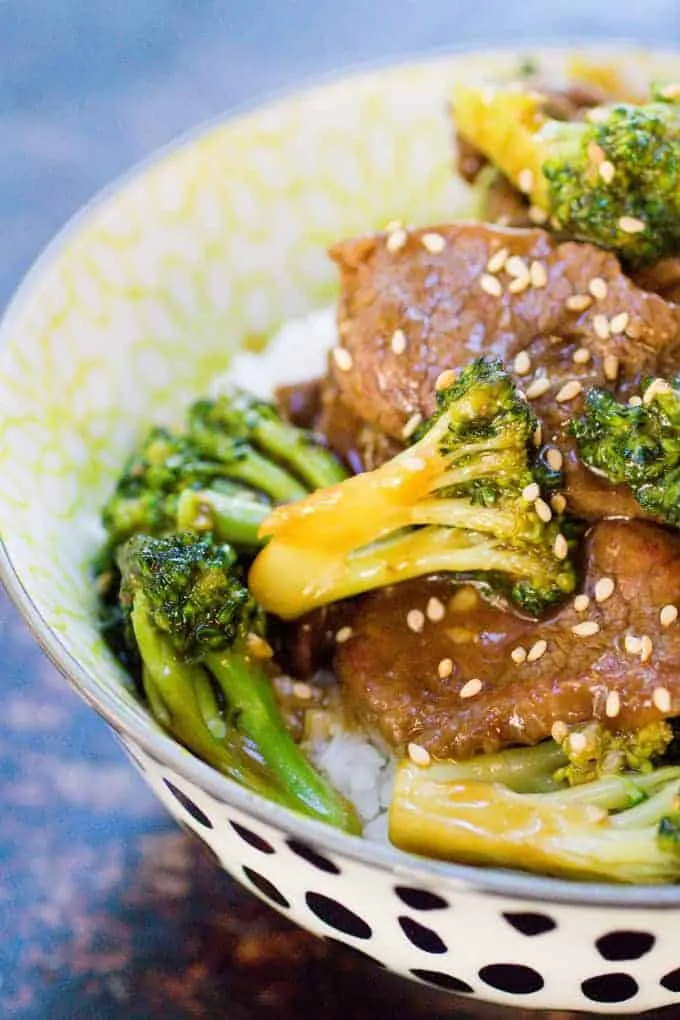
593	751
508	810
461	500
199	633
613	179
638	444
257	447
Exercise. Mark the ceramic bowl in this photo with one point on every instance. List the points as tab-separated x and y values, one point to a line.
131	311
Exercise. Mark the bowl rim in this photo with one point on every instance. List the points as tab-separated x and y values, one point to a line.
162	748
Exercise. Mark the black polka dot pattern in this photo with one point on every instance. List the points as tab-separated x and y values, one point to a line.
671	981
420	899
610	988
358	953
187	803
267	888
441	980
421	937
512	978
252	838
335	915
625	945
531	924
307	853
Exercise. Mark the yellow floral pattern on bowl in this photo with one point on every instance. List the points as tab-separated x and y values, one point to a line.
147	295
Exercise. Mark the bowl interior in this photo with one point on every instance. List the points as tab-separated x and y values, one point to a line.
148	293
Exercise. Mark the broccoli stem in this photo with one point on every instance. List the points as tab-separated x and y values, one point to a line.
291	446
242	462
177	693
567	833
232	518
250	698
522	769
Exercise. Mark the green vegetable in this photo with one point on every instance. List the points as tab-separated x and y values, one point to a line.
601	752
510	811
613	179
198	631
637	445
453	502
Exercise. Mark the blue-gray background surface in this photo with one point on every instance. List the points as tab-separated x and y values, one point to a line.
106	910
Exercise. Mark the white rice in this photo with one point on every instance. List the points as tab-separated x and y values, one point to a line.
361	771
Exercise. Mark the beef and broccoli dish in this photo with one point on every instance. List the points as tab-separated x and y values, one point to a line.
433	595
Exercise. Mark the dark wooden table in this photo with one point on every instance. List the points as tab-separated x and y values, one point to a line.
107	910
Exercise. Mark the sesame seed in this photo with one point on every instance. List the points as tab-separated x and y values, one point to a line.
561	547
606	171
598	288
396	240
656	388
577	742
531	492
522	363
445	379
604	589
516	266
613	705
554	458
463	599
537	437
578	302
258	647
581	356
419	755
538	649
415	620
581	603
490	285
611	367
559	731
342	358
631	225
601	326
411	425
668	615
434	243
302	690
525	180
538	387
497	260
445	668
595	153
398	342
538	274
344	634
537	215
632	644
558	502
471	688
518	654
543	510
634	401
586	628
646	648
435	610
568	391
618	323
519	284
662	699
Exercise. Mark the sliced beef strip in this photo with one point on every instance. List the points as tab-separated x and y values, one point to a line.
662	278
390	678
437	300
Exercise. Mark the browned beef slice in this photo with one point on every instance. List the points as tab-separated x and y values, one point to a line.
448	319
390	674
662	278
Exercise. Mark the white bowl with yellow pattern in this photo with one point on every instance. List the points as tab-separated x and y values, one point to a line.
140	301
